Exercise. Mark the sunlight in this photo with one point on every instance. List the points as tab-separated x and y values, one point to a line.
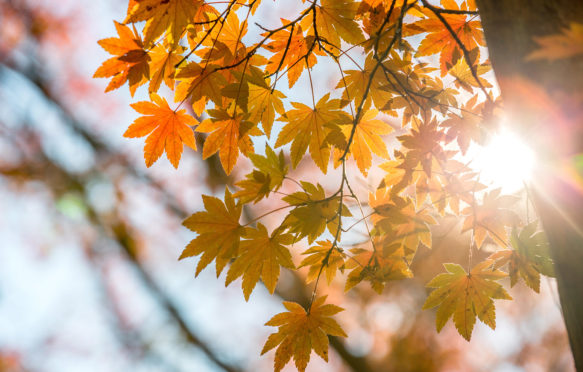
505	162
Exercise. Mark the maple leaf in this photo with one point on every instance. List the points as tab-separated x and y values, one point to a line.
323	258
466	127
226	42
199	84
260	256
314	212
401	224
568	43
491	218
335	20
440	40
166	129
219	232
130	63
162	66
528	258
367	139
308	126
264	102
300	332
269	175
376	267
229	134
293	51
424	146
354	84
464	77
171	16
466	296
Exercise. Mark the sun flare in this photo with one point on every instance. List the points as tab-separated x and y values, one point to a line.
506	161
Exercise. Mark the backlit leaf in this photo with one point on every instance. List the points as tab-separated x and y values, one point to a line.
166	129
300	332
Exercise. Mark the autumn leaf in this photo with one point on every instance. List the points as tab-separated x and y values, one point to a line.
260	256
378	267
354	84
367	139
130	62
528	258
219	232
308	126
264	102
228	135
335	19
313	212
424	144
162	66
225	43
466	127
491	217
466	296
464	77
292	51
440	40
268	176
199	83
171	16
567	44
323	258
300	332
166	129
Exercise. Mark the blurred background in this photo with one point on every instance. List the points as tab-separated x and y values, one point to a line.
89	241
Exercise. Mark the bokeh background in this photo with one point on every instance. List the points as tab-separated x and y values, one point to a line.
89	240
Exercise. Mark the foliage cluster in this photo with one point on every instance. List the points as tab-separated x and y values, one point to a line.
411	60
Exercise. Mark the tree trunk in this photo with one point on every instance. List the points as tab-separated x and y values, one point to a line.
543	99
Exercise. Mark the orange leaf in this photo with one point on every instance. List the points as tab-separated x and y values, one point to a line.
290	52
167	130
130	63
229	134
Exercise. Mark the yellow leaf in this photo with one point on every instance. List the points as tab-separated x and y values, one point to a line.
219	232
300	332
323	258
308	126
313	212
335	20
171	16
367	139
377	267
261	257
268	176
263	104
466	296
